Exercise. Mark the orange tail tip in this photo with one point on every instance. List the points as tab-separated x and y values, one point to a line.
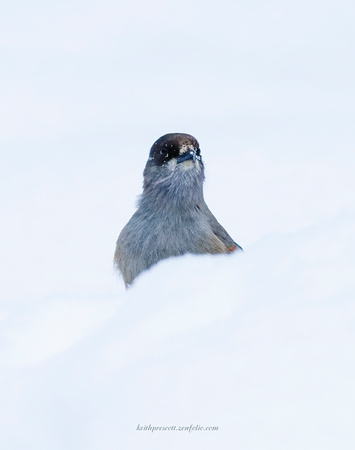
234	248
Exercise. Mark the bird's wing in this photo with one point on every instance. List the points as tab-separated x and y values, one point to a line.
219	231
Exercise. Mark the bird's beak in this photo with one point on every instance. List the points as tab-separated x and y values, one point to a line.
191	154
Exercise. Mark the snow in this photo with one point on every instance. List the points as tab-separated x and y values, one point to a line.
258	344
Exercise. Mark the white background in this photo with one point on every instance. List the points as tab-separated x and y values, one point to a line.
259	344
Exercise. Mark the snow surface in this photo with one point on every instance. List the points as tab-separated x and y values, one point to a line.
259	344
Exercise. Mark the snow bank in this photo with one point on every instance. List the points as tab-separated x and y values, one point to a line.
258	344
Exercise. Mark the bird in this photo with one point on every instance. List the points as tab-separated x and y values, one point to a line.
172	217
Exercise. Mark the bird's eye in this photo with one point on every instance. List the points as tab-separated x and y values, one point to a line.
164	151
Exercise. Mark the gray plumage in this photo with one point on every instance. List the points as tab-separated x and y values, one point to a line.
172	217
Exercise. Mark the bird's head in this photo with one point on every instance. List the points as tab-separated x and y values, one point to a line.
174	166
174	149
